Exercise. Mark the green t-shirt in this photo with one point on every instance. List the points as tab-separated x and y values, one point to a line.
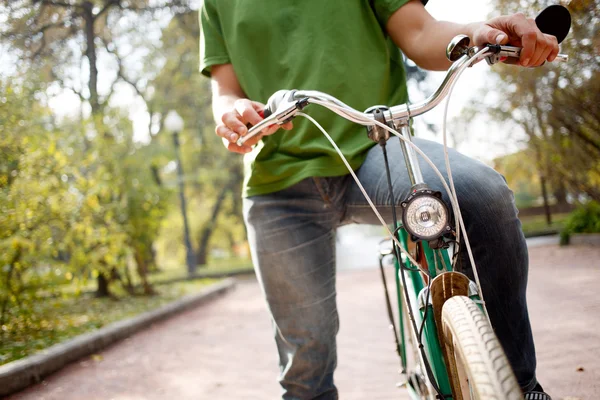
334	46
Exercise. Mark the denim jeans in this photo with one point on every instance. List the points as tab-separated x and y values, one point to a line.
292	239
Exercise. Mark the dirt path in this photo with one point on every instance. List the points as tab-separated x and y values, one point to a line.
225	350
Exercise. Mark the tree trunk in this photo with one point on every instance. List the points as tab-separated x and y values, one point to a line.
102	290
142	270
90	53
209	226
152	265
545	197
231	239
560	193
6	298
128	283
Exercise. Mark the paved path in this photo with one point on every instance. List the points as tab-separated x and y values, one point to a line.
224	350
564	306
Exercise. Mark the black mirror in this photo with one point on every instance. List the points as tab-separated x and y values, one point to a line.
554	20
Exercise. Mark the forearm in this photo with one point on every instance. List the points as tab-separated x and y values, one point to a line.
226	90
422	38
429	49
222	103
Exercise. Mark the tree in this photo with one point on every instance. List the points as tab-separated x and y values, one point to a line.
120	211
67	41
558	105
521	175
42	32
34	197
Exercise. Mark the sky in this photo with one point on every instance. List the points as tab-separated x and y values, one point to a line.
483	141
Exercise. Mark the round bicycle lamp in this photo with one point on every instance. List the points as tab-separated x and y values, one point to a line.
425	215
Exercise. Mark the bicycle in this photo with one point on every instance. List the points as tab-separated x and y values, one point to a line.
454	352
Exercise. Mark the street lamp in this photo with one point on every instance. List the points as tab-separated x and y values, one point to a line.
174	125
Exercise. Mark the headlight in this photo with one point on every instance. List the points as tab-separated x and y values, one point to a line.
425	215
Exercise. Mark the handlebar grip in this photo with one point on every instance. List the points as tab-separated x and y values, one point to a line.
272	104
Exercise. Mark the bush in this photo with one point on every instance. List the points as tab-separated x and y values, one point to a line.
585	219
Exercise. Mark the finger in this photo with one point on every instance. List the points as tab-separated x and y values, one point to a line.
495	36
554	45
252	141
265	132
226	133
547	45
246	110
540	53
269	130
511	61
233	121
490	32
542	58
258	106
234	148
527	32
529	42
288	126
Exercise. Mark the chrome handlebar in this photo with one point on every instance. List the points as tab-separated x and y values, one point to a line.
290	102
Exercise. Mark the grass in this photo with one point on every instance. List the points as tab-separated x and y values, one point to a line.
167	273
56	319
537	226
222	266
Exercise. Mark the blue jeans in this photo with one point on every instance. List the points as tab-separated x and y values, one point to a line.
292	239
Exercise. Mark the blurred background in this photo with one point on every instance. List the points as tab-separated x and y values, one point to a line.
115	190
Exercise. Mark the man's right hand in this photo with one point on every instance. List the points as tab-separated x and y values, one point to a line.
232	110
233	125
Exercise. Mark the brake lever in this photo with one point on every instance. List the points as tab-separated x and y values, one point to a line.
255	129
501	52
285	112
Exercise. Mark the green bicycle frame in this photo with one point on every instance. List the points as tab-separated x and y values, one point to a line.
415	285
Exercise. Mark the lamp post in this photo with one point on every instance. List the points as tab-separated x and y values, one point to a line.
174	125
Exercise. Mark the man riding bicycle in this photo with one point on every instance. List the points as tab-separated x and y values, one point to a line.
296	189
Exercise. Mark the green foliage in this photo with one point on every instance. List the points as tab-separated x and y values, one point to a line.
72	208
32	198
521	175
585	219
81	200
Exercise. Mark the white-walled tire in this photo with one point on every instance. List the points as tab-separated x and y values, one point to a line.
483	368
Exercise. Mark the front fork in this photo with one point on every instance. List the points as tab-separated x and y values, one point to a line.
418	188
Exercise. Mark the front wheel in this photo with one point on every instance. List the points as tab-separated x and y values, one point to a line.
479	366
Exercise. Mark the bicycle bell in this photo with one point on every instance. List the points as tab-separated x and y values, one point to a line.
458	47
